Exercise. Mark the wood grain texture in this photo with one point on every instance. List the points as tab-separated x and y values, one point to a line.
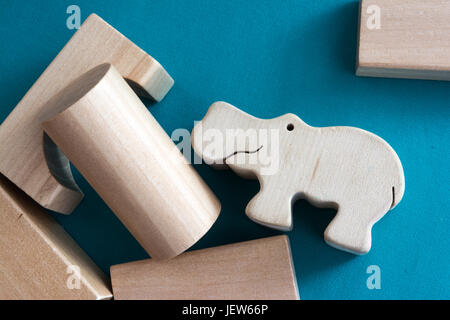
35	253
22	157
345	168
412	41
105	130
253	270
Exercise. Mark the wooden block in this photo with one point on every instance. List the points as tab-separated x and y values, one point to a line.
105	130
404	39
36	252
345	168
22	157
254	270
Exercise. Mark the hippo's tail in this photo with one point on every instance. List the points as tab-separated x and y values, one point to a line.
398	190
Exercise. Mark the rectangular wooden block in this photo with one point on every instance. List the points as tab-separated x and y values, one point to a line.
37	257
259	269
404	39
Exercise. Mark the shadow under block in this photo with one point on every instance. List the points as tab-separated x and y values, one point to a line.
253	270
106	131
345	168
404	39
22	158
36	252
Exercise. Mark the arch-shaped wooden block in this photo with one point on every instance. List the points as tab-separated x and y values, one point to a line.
105	130
22	158
346	168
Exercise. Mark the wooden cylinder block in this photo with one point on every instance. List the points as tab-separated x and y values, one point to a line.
105	130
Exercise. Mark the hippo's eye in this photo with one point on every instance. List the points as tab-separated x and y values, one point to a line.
290	127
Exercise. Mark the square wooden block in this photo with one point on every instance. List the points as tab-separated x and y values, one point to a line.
404	39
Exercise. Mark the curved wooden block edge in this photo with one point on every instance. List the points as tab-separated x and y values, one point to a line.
148	78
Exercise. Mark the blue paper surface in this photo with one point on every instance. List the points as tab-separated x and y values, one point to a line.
267	58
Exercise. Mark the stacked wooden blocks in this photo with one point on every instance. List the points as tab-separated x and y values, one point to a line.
84	109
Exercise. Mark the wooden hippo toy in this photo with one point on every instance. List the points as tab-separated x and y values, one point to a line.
346	168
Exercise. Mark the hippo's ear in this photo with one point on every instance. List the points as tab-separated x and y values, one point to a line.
214	137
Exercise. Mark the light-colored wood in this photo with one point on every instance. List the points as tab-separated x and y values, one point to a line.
36	252
254	270
411	40
22	157
346	168
105	130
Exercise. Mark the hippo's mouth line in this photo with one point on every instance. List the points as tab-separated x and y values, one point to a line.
237	152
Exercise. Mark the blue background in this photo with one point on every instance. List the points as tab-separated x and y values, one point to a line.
268	58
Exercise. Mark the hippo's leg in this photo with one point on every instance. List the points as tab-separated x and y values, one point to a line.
349	235
271	208
351	229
